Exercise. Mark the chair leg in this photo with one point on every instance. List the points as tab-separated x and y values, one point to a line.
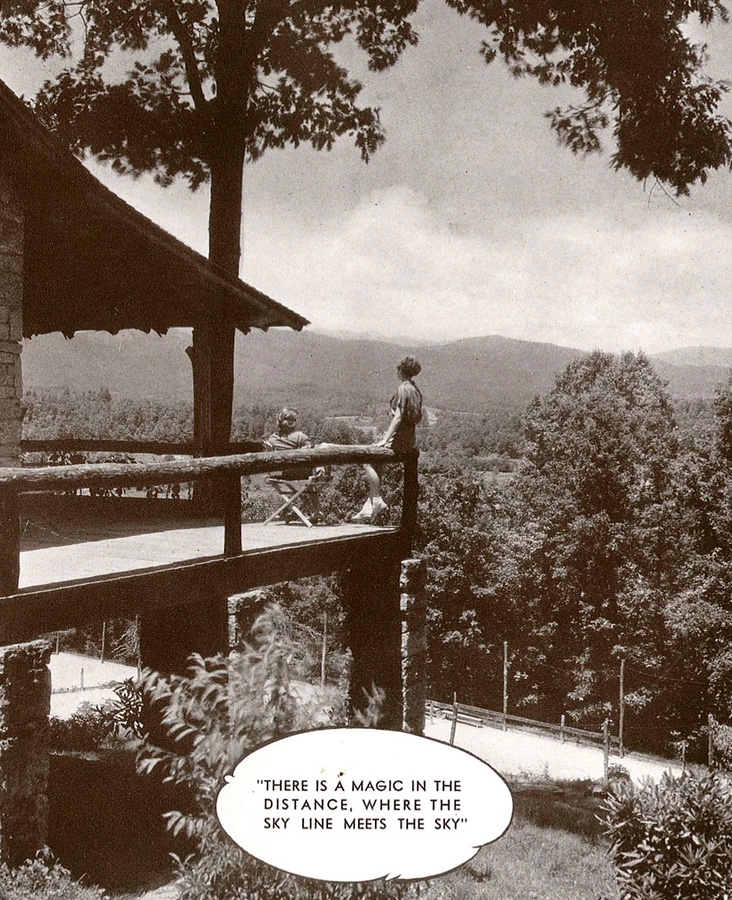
302	516
278	512
290	504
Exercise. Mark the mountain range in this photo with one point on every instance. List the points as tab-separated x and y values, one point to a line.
338	372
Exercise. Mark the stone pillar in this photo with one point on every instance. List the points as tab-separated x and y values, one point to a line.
11	382
371	593
25	705
414	644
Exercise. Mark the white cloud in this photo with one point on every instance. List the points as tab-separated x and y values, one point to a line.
393	266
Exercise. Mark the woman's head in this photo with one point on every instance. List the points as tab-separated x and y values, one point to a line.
409	367
286	420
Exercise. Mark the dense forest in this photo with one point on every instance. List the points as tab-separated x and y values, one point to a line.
612	541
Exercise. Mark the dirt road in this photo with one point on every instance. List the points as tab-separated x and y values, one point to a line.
526	756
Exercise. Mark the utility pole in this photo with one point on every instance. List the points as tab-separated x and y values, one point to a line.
323	651
621	719
453	727
505	685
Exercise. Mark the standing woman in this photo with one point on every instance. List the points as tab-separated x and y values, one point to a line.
406	408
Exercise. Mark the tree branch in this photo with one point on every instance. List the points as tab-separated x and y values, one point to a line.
270	14
189	56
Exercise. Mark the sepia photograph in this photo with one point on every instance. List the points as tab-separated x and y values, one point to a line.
365	450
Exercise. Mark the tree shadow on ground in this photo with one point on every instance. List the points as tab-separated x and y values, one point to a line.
568	807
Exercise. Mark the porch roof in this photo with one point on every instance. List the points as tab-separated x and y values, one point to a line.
94	263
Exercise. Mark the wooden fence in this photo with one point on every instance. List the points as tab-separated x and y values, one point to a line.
474	715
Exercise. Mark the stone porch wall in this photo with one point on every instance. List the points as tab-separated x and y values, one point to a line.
11	323
25	705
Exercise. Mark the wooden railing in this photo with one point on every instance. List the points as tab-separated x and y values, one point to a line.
56	606
160	448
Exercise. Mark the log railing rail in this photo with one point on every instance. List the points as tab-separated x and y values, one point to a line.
159	448
54	478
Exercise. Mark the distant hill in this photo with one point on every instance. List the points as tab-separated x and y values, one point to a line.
720	357
342	374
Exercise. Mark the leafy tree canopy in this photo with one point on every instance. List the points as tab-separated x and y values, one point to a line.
605	434
206	74
202	74
638	71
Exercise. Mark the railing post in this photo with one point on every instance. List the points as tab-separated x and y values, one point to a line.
232	516
410	496
9	542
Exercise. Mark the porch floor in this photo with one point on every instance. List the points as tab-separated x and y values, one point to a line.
53	552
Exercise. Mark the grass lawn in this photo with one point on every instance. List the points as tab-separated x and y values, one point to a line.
554	850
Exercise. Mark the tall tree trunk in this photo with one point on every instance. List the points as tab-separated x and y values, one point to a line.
212	354
213	343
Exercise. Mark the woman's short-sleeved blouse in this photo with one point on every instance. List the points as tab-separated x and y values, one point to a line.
408	399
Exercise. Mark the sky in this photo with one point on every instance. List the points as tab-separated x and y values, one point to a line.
471	219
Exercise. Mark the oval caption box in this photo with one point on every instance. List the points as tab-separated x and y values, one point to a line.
356	804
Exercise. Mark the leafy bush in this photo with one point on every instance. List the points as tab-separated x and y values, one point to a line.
722	743
673	839
129	713
210	720
89	728
42	879
616	772
95	726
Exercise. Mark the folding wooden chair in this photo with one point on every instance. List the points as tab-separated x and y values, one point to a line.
292	489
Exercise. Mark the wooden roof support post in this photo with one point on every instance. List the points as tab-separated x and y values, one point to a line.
9	542
410	497
11	382
170	635
371	593
212	358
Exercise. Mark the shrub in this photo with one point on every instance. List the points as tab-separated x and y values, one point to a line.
89	728
211	719
616	772
42	879
129	712
722	742
673	839
94	726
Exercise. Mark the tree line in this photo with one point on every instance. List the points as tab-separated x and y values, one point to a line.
611	543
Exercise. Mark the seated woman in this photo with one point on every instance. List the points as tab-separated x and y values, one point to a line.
406	410
287	437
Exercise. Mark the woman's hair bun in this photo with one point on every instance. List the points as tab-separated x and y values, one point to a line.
410	366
